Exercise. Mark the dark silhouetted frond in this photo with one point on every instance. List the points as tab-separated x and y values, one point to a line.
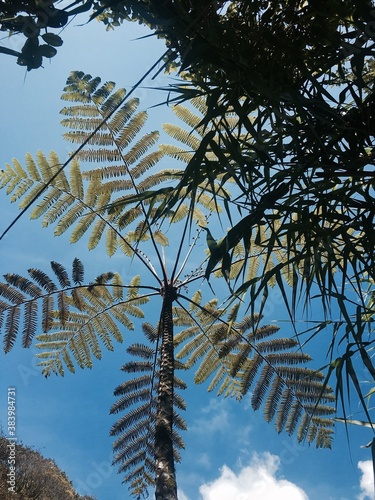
76	320
77	272
135	430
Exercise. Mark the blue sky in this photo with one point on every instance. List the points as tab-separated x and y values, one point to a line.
230	452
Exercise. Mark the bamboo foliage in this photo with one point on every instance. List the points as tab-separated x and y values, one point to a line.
262	248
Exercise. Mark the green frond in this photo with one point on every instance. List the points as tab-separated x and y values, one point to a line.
71	204
263	332
276	345
155	179
83	225
196	300
140	148
80	110
102	155
250	371
199	103
287	358
32	168
57	210
68	335
120	313
181	317
126	246
176	153
80	122
133	288
55	165
76	182
130	131
20	172
117	287
239	360
294	417
129	216
253	268
161	238
68	361
45	168
190	346
23	187
102	93
111	241
96	233
9	179
112	101
284	409
6	174
145	164
122	116
69	219
208	366
80	351
51	365
186	115
182	135
47	202
244	356
221	372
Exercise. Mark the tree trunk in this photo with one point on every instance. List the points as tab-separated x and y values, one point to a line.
166	487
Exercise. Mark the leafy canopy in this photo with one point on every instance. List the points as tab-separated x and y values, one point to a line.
108	201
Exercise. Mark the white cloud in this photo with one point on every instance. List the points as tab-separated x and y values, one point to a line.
367	480
257	480
204	460
181	495
218	416
215	418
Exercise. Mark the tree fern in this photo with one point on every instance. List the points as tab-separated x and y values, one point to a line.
135	430
240	357
111	198
74	318
81	202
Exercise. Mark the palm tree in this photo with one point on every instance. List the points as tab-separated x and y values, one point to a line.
78	317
